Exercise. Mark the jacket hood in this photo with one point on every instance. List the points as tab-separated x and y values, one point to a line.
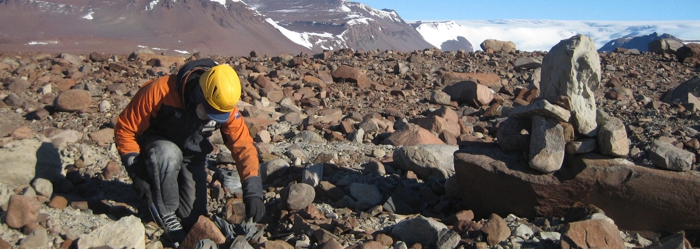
188	80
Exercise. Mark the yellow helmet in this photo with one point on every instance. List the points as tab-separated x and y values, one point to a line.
222	90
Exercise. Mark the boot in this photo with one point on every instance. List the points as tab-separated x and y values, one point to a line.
173	228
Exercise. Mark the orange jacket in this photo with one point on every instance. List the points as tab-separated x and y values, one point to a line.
157	109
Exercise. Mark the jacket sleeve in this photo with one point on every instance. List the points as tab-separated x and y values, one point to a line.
136	117
238	140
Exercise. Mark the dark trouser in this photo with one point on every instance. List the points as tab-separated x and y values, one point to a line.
177	183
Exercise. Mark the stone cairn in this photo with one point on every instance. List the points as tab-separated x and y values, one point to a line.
564	119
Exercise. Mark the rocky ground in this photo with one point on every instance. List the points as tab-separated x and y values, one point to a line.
331	129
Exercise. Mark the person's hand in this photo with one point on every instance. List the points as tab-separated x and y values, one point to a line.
254	208
135	169
131	163
253	198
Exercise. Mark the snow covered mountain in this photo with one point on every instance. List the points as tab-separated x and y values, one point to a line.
235	27
336	24
224	27
542	35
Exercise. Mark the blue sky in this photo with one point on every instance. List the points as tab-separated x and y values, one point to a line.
609	10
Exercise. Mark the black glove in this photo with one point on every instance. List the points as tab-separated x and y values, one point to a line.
254	208
137	172
253	198
132	164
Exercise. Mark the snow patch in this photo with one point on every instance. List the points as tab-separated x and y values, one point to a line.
542	35
363	20
223	2
181	51
152	5
384	14
41	42
296	37
89	15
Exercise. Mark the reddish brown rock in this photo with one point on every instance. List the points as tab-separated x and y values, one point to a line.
58	202
489	79
591	234
690	53
464	215
21	210
6	245
276	244
203	229
111	170
102	137
372	245
384	240
328	190
331	244
313	81
73	100
412	135
470	92
18	85
23	132
347	73
625	191
496	230
234	210
65	84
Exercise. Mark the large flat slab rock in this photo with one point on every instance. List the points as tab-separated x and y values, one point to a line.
635	197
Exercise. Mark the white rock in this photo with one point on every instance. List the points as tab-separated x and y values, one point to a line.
572	68
127	232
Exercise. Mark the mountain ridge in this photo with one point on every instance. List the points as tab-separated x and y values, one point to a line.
233	27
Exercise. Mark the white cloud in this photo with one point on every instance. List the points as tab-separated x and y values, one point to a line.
531	35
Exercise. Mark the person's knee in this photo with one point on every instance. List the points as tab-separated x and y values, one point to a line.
165	156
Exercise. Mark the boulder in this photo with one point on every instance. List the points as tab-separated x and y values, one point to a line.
690	53
612	136
273	169
73	100
470	92
496	230
23	160
439	97
43	187
591	234
127	232
365	194
546	144
205	228
572	68
313	174
491	80
582	146
528	62
625	191
543	108
665	155
412	134
297	196
679	93
664	45
423	230
497	46
21	211
403	200
426	160
514	134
